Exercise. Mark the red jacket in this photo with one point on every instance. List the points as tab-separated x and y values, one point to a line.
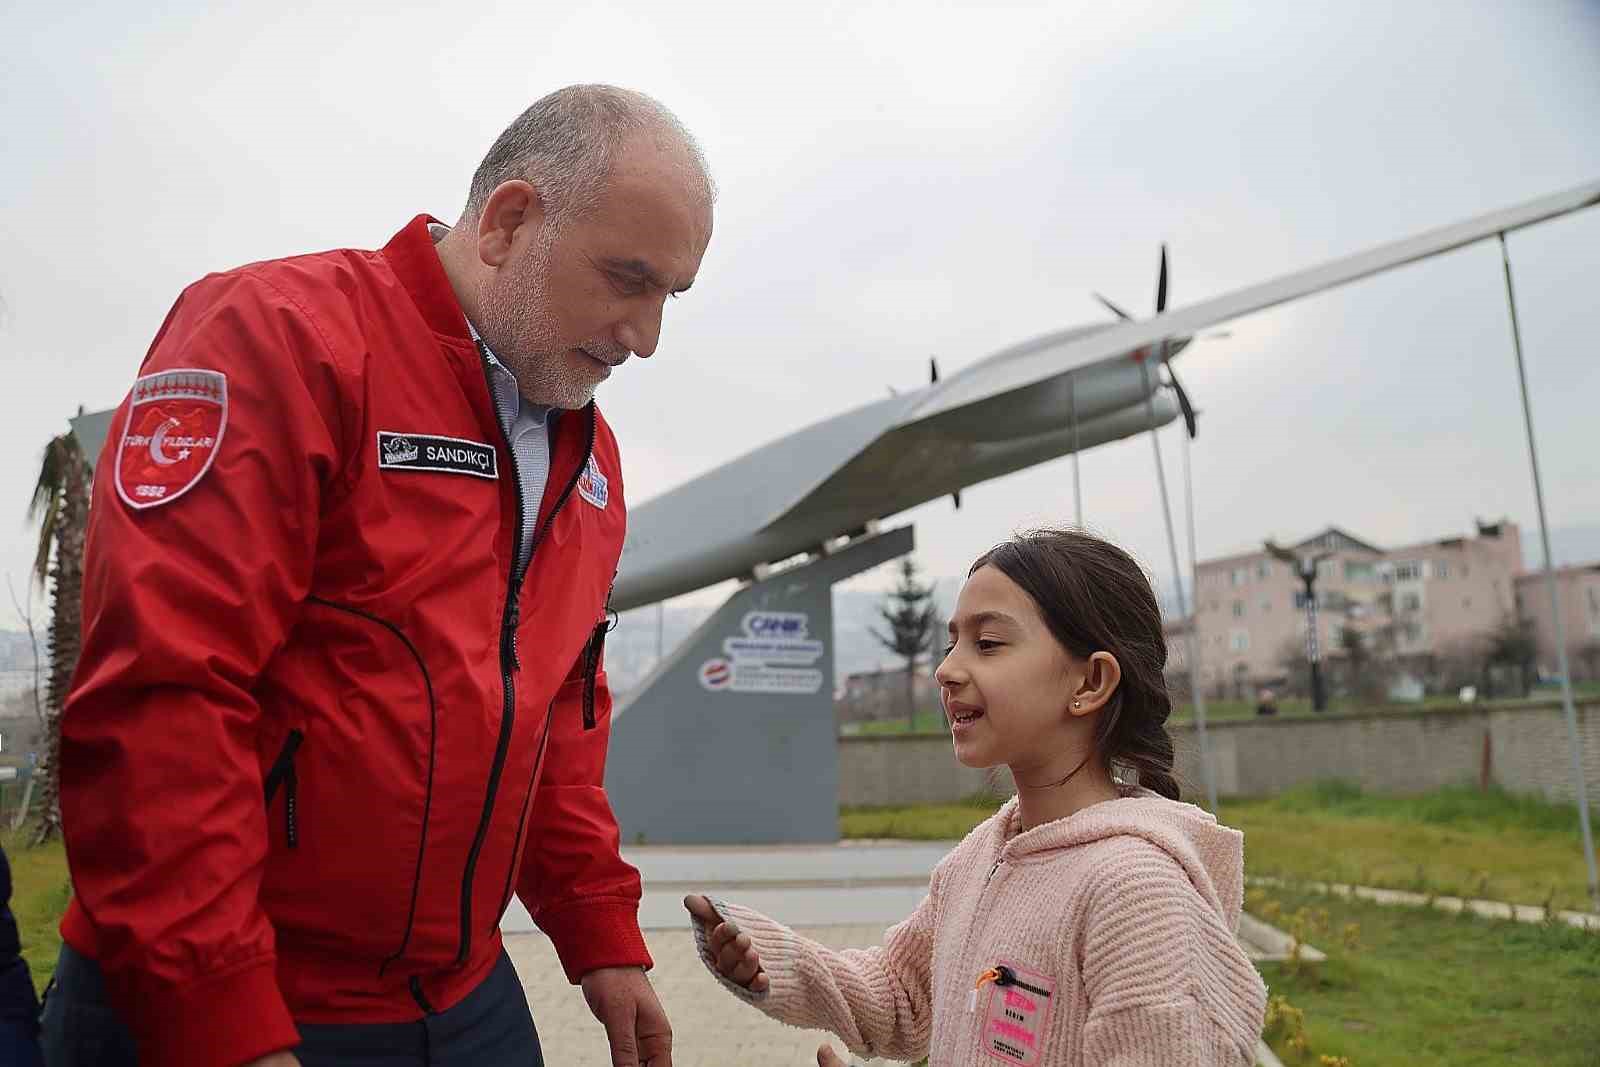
315	739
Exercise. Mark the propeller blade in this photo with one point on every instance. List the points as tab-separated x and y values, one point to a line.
1183	401
933	369
1161	282
1118	312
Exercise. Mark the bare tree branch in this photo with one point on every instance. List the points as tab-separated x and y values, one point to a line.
33	639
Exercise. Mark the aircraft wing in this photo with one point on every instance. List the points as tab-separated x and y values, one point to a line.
1049	358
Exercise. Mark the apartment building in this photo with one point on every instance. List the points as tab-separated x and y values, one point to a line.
1412	601
1578	588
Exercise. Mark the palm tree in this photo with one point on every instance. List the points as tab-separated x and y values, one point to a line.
61	505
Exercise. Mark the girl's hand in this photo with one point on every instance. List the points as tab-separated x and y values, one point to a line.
826	1057
736	957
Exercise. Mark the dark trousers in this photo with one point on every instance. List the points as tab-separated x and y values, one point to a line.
491	1027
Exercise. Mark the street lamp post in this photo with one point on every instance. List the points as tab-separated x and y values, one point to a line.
1306	571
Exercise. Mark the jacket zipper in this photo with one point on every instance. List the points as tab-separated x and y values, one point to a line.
508	660
592	653
977	915
419	996
282	773
1009	977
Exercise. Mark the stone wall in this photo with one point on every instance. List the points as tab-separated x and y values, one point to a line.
1396	751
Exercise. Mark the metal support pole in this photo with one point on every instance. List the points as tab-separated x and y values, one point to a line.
1077	484
1177	580
1193	648
1550	588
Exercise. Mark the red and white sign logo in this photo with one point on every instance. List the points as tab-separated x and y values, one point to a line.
175	423
716	674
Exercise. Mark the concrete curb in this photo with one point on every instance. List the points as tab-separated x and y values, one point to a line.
1491	909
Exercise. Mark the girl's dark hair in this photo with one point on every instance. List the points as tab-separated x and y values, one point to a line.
1095	598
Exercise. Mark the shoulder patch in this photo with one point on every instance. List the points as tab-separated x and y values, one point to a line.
176	419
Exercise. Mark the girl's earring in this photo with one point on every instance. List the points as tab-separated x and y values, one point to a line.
1077	703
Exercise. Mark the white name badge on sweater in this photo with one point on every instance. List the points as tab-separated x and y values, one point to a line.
1018	1015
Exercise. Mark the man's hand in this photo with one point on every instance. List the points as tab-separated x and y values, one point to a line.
626	1005
276	1059
737	959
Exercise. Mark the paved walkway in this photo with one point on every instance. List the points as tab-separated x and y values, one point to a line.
841	895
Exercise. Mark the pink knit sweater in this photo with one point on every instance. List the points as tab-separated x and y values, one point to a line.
1107	939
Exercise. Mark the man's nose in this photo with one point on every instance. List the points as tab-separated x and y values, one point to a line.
641	331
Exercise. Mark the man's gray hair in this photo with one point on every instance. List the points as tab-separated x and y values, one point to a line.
564	145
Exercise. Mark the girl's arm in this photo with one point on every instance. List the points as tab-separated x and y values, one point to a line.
877	1000
1166	981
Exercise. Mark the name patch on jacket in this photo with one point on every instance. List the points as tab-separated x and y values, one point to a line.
427	452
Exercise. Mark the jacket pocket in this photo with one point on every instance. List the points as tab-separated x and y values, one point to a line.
282	774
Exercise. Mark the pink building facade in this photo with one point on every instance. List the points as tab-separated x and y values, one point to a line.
1411	602
1578	589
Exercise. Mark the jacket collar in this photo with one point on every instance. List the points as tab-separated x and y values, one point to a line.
411	256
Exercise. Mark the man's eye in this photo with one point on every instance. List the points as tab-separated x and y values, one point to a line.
627	286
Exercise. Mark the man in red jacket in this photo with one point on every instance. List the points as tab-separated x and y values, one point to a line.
341	690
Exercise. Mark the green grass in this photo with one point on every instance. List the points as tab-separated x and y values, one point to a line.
39	895
1456	841
1452	841
1429	989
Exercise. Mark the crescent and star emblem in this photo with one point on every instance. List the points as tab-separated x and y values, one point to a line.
157	439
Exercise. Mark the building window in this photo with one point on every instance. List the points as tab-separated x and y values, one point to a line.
1407	571
1241	575
1299	601
1410	602
1238	609
1327	568
1466	602
1266	605
1356	571
1441	569
1239	640
1263	570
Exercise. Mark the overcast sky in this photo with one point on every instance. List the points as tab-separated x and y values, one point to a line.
897	181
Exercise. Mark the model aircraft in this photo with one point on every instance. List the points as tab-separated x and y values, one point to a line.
1033	402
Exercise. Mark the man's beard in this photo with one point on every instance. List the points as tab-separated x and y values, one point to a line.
520	331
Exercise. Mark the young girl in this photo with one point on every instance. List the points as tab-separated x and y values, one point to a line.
1088	921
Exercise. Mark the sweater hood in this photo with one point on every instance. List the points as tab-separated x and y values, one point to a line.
1212	855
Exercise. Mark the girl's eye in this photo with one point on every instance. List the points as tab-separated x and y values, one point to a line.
986	645
949	648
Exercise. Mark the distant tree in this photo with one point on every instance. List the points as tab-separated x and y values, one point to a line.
1513	646
1587	655
911	616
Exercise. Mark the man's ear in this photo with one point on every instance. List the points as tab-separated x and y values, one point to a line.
514	210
